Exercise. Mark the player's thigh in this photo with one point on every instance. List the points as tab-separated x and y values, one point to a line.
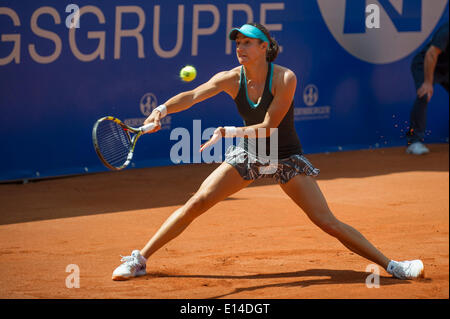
221	183
305	192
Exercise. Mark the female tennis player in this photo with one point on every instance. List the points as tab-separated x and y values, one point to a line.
264	94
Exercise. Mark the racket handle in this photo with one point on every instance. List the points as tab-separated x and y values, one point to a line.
147	127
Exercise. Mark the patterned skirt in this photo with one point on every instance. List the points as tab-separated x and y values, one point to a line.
251	167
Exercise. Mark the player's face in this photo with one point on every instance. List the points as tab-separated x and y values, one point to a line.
249	49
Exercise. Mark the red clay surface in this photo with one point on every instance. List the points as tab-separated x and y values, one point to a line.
256	244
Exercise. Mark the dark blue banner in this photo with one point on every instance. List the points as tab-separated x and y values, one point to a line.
59	74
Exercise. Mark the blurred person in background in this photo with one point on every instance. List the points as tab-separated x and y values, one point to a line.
428	67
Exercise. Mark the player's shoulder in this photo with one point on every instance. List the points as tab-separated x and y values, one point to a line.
283	74
233	73
227	75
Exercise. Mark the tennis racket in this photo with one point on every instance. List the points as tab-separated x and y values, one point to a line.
115	141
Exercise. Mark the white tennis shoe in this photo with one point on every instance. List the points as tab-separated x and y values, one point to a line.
132	266
410	269
417	148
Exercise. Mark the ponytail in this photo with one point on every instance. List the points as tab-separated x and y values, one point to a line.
273	47
272	50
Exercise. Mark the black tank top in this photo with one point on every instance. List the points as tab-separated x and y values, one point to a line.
288	141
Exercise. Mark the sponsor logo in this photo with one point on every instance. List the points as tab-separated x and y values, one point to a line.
310	95
147	104
311	112
404	26
131	21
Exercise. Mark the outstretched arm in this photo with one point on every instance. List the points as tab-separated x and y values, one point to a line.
220	82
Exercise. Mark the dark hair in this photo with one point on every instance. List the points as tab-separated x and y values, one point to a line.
273	48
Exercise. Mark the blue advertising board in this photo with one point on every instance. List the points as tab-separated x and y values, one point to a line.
59	74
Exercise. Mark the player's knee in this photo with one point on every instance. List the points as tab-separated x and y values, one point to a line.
195	206
330	225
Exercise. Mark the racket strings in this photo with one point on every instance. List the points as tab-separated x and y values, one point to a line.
114	143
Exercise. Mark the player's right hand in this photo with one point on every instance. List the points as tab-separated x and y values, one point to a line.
155	118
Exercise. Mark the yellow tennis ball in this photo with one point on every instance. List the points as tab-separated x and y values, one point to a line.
188	73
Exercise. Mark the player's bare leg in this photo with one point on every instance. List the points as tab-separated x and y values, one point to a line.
223	182
306	193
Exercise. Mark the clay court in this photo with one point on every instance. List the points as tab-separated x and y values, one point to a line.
255	244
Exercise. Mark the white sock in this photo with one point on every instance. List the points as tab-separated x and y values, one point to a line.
141	258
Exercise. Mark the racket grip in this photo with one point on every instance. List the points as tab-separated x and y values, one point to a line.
147	127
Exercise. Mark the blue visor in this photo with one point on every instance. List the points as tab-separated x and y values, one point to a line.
249	31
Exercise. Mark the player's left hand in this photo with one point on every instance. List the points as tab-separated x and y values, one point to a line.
427	89
217	135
